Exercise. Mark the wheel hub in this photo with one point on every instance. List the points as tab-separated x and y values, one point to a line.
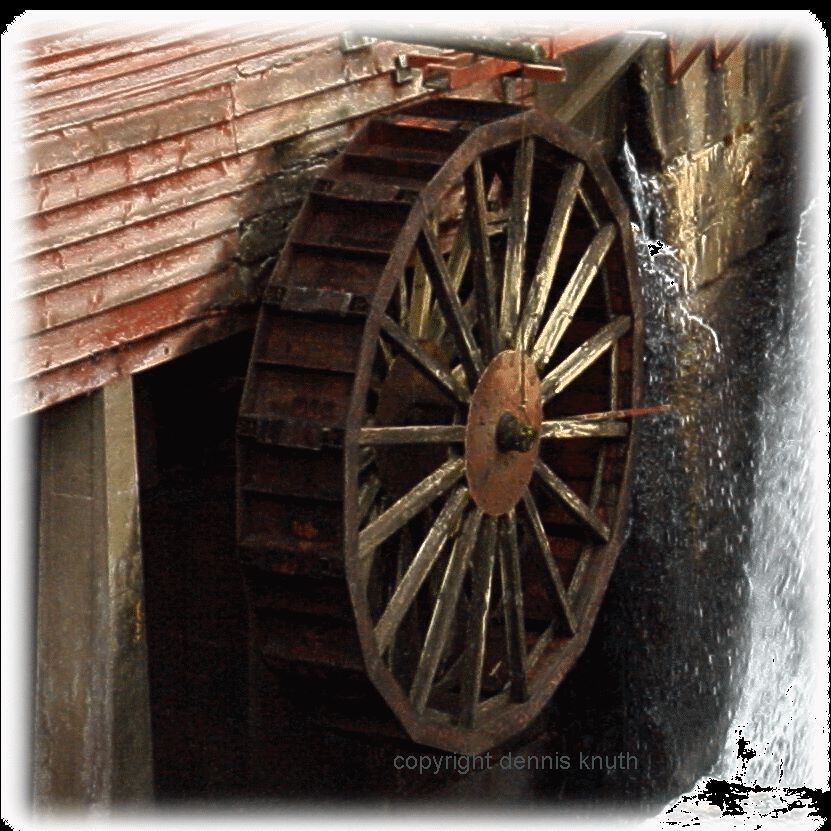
513	434
502	433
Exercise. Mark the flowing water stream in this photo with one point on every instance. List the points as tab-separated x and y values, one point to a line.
764	502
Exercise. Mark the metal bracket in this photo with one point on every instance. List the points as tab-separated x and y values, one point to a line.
454	70
720	49
353	42
402	72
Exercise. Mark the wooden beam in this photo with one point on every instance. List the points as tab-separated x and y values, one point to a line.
92	742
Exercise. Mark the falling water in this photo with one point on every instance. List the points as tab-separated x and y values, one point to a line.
778	709
773	699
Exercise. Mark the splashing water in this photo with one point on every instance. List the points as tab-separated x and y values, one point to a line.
660	260
779	714
775	703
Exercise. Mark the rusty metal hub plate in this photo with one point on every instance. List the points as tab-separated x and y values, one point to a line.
496	475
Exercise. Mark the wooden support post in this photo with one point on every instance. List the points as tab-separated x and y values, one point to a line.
92	714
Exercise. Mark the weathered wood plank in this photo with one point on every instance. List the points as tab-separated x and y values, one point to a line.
82	132
153	160
132	244
114	211
125	285
86	74
158	85
92	743
290	75
81	377
111	329
144	162
53	55
167	157
86	44
340	104
162	62
120	131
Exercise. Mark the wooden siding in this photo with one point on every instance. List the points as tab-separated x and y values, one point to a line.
163	171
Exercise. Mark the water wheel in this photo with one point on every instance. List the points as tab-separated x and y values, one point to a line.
432	481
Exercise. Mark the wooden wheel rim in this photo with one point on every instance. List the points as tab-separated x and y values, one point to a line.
499	717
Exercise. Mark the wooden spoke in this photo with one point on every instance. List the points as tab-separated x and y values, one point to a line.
571	500
419	312
458	372
541	539
431	368
456	265
397	651
366	496
513	606
426	556
517	238
549	256
573	428
573	295
426	434
387	353
583	357
366	457
478	624
445	609
450	306
614	365
484	286
541	645
588	207
419	308
587	551
403	303
459	256
469	311
409	505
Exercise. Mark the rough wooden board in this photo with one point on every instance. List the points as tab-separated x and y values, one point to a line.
51	58
339	104
92	743
93	334
132	244
123	285
115	171
84	376
166	180
300	73
112	133
89	44
147	67
74	223
182	79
